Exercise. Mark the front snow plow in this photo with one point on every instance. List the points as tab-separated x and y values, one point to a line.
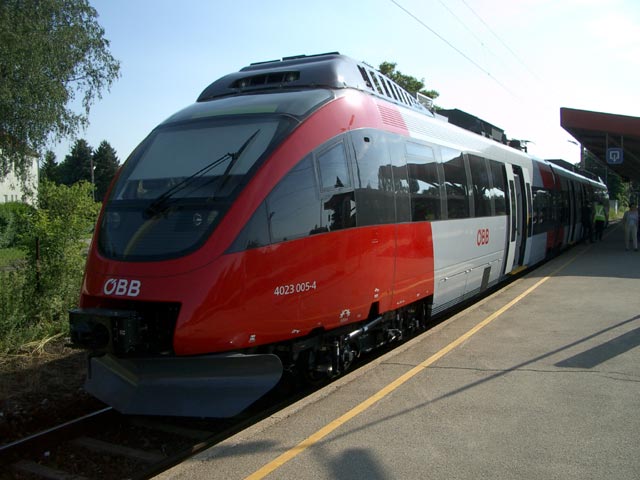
133	369
220	385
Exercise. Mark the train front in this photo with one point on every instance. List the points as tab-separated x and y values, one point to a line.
157	269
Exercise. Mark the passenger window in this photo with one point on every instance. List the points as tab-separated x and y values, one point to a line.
457	189
424	182
400	178
542	210
339	211
373	178
333	168
481	186
498	190
564	212
293	207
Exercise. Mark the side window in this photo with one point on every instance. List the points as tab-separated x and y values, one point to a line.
514	217
293	207
400	179
424	182
332	164
541	210
564	200
373	178
296	207
337	197
457	188
498	191
481	186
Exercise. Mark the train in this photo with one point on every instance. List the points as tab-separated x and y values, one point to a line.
300	213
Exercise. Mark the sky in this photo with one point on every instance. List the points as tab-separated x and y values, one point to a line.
511	63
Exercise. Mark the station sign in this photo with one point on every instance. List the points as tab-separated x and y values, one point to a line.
615	156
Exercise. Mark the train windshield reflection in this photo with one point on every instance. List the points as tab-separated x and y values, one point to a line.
177	187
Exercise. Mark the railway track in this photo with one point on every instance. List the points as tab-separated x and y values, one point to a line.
108	445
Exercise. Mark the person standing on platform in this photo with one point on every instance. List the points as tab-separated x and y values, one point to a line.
630	223
587	225
599	218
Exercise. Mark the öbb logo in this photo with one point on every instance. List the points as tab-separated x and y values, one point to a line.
122	287
482	238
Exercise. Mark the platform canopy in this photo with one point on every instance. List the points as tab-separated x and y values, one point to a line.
609	137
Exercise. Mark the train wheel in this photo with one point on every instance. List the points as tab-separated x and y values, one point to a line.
313	368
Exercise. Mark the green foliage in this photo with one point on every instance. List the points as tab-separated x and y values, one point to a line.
106	163
13	224
625	197
49	168
77	165
52	53
409	83
34	300
12	283
613	181
9	257
614	184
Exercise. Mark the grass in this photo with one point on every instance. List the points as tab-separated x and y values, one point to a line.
9	256
20	329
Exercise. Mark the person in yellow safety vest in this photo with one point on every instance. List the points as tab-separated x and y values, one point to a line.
599	218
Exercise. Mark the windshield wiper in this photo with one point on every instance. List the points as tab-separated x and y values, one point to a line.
234	159
161	204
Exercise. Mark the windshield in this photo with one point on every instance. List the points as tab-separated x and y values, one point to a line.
177	186
173	155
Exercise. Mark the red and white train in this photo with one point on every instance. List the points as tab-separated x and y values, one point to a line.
299	213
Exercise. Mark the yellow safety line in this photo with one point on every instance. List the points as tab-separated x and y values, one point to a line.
327	429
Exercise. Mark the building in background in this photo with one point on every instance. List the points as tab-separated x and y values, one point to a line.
12	189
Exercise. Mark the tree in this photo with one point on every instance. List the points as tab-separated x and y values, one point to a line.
49	168
52	53
409	83
106	165
614	183
77	165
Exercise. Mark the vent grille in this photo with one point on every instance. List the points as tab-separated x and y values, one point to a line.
392	117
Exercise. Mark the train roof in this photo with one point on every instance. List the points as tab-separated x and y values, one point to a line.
336	71
575	169
331	70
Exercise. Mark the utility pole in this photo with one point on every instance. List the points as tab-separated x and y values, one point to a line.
93	183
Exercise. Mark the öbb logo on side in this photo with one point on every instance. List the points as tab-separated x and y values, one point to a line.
482	237
122	287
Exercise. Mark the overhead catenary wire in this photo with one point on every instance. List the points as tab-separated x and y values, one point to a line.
459	20
471	32
504	44
469	59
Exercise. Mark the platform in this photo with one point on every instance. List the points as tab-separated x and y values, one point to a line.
541	380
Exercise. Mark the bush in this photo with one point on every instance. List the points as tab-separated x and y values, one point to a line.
13	222
35	299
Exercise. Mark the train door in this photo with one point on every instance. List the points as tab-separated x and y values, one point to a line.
516	242
572	215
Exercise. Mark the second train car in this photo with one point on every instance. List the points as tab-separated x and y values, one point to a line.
301	212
